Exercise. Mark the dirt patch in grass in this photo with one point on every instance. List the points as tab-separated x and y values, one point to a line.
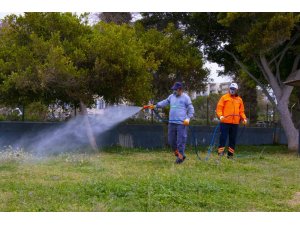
296	199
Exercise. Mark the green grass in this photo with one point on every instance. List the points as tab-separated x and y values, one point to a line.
141	180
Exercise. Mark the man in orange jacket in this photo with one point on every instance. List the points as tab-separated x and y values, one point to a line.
230	110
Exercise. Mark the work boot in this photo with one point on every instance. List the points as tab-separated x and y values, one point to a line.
220	154
229	155
221	151
179	161
176	152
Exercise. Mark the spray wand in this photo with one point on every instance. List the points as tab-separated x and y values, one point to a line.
156	113
151	106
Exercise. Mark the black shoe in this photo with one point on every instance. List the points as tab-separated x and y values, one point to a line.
229	156
179	161
221	154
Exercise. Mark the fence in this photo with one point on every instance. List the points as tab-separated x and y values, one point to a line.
145	136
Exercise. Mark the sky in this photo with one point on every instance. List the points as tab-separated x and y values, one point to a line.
214	67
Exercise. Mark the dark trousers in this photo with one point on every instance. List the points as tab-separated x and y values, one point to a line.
228	129
177	136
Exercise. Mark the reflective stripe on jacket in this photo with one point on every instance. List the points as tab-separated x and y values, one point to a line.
232	108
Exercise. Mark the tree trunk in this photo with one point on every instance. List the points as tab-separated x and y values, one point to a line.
282	93
88	127
288	126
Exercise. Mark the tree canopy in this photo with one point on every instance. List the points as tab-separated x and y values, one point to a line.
265	46
176	59
58	56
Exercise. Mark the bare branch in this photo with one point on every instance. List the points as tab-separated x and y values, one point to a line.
295	71
292	41
294	75
286	92
296	63
262	70
278	74
273	82
282	53
243	67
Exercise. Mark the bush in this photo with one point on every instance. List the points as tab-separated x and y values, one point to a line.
36	111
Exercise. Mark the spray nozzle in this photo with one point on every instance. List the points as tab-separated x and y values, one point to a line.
151	106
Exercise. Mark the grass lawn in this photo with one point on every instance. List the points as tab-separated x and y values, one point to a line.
142	180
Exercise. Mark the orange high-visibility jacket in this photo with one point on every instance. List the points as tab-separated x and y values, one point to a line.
232	108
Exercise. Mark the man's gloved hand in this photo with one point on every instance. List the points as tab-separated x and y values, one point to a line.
152	106
245	121
221	118
186	122
149	106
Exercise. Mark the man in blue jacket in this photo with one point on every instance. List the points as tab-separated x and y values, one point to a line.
181	111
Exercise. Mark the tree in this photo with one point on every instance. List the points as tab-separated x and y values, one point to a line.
161	20
176	59
56	56
39	65
120	72
35	53
205	107
264	45
295	106
267	43
115	17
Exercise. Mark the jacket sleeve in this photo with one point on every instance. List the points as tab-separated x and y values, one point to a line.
190	108
242	110
220	107
163	103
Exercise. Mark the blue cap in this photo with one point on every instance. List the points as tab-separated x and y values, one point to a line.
177	85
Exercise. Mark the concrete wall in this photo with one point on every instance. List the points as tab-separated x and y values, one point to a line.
145	136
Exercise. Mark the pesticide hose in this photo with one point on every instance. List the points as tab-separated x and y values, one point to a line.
212	141
164	120
211	145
